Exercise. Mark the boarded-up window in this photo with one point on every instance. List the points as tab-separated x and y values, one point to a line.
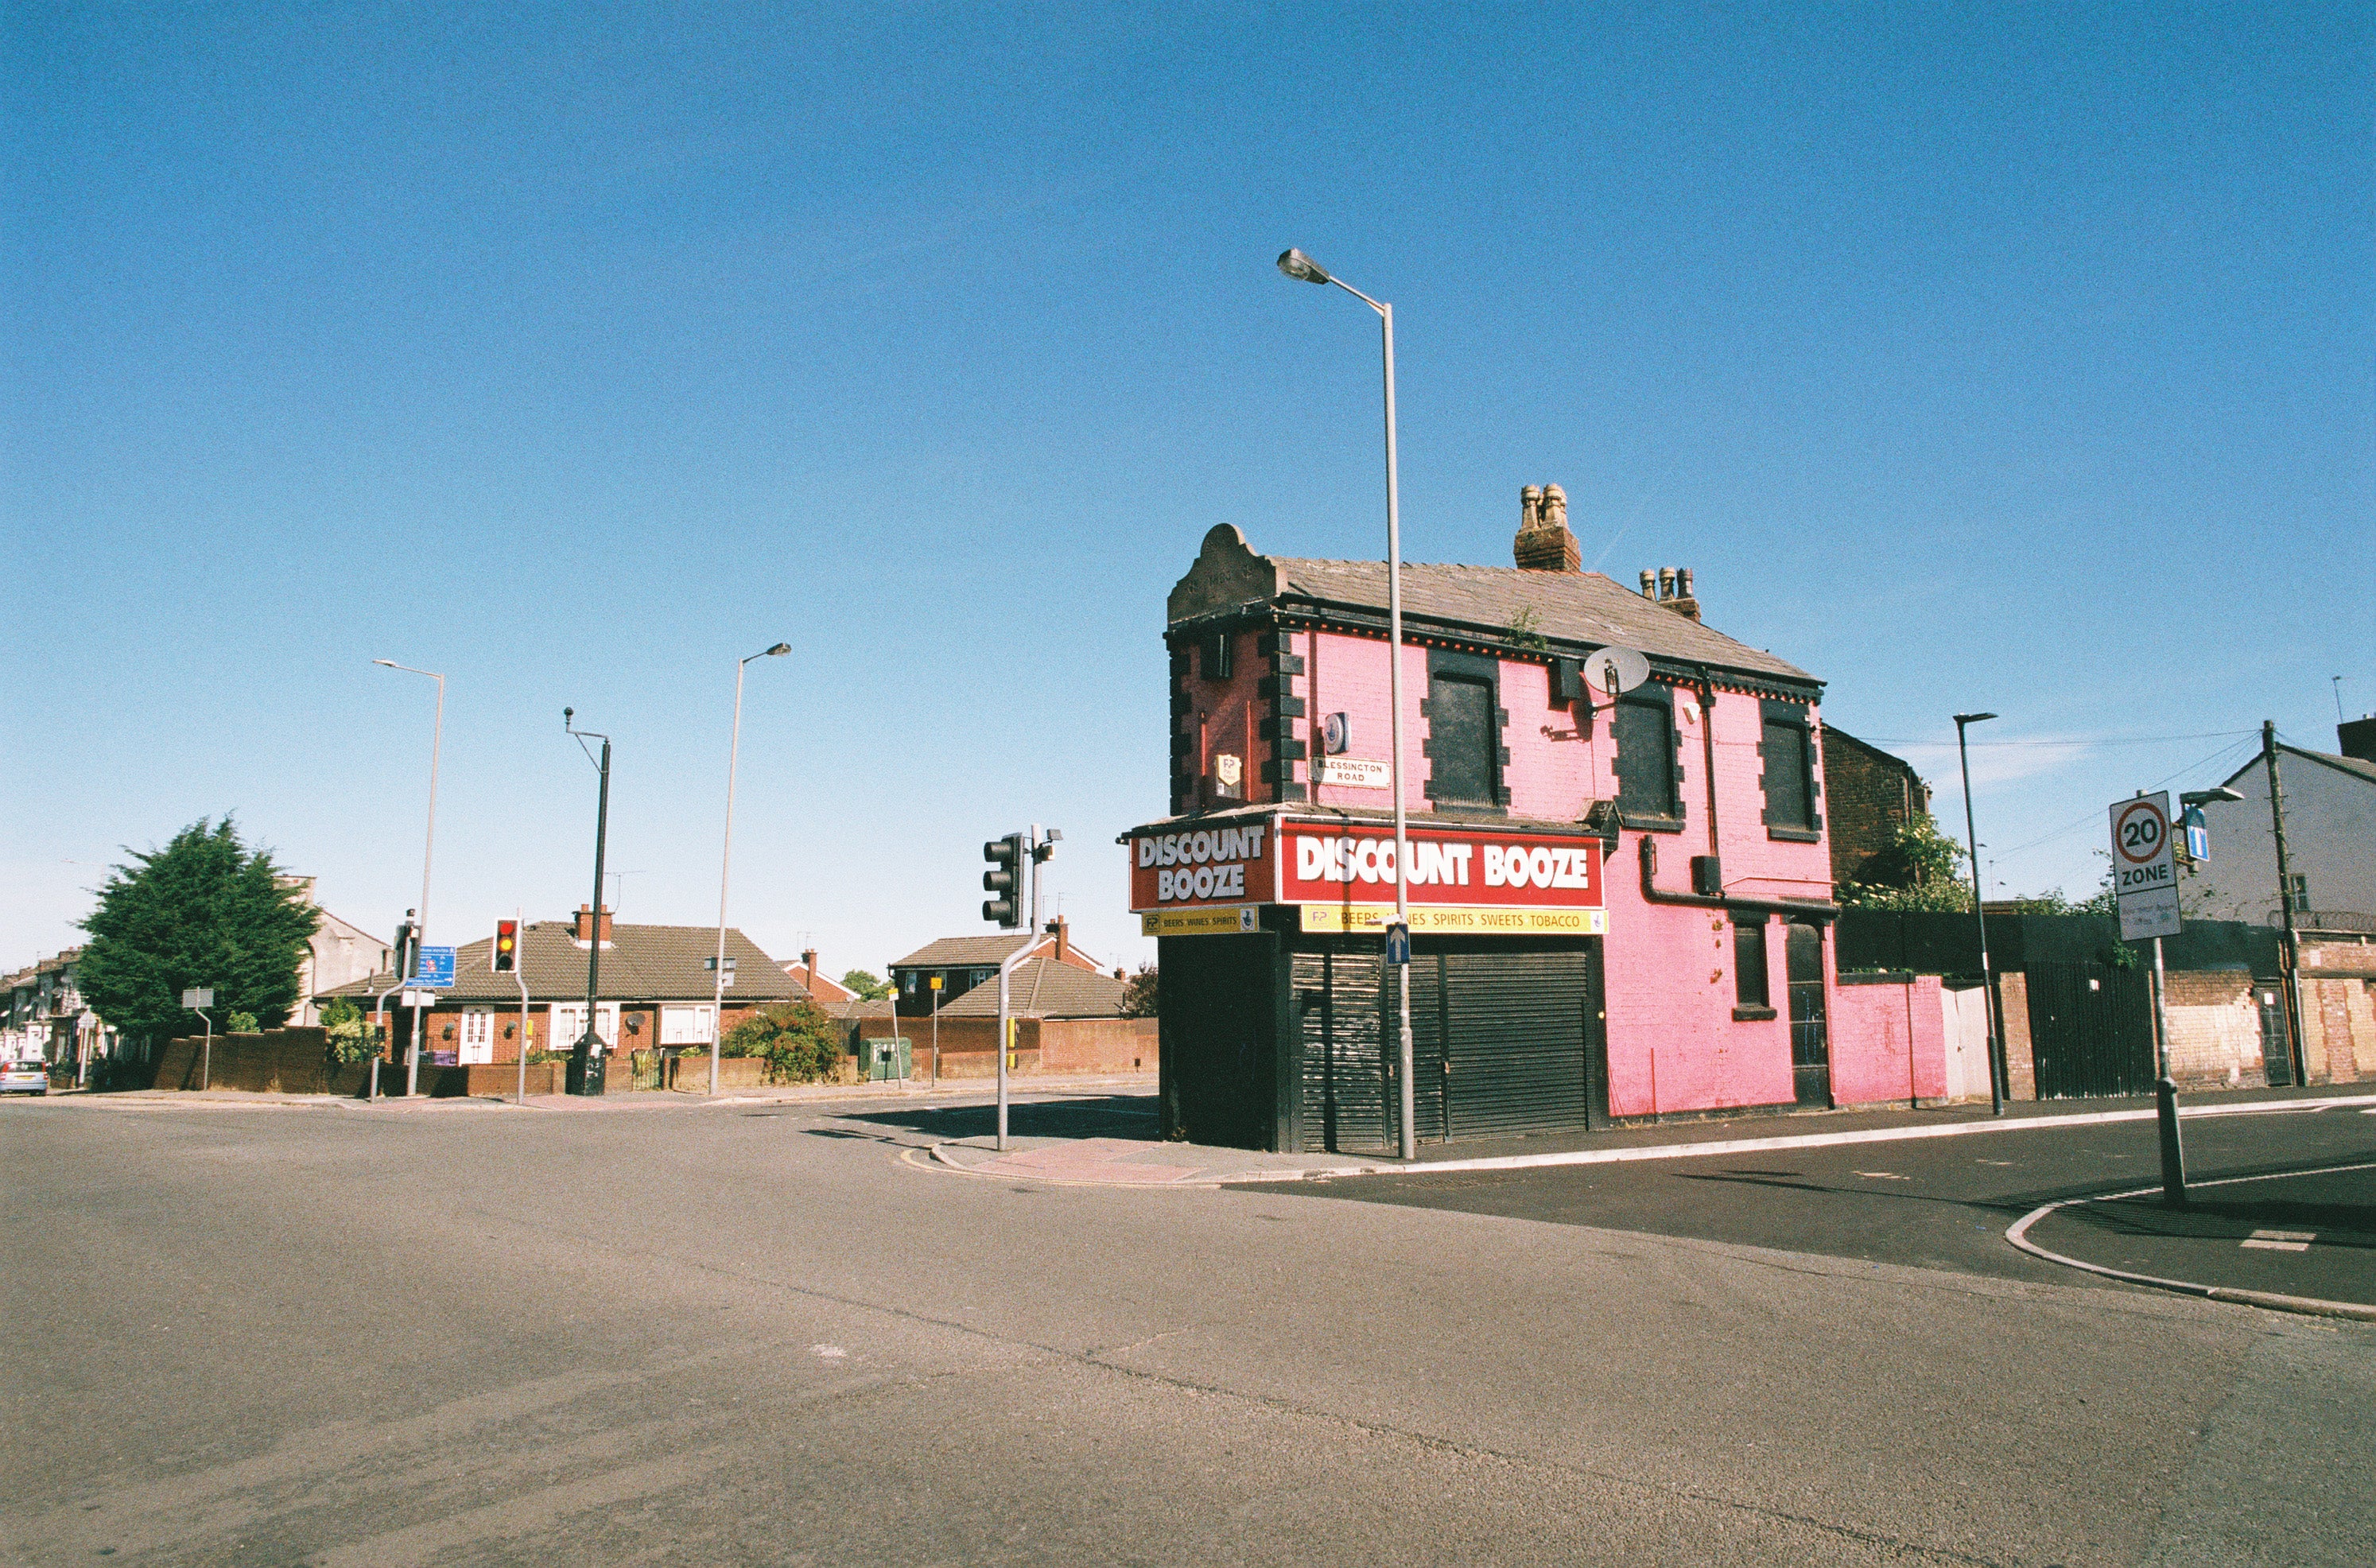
1788	750
1644	730
1460	739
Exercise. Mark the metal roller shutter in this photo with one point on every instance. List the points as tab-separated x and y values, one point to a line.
1346	1106
1514	1043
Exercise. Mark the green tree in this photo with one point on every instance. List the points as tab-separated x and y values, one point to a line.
1142	995
865	986
204	910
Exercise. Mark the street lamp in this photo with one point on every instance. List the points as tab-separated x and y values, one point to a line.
421	925
587	1072
1987	978
1296	265
733	759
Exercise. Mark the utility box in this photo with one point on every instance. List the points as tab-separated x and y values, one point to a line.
885	1060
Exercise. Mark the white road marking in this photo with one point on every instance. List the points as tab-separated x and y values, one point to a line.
829	1352
2281	1240
1883	1176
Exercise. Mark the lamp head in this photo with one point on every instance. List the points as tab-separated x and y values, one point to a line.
1295	264
2204	797
1962	719
777	651
566	715
389	663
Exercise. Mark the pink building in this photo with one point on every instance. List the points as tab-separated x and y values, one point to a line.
1621	906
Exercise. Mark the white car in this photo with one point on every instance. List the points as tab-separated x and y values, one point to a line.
24	1078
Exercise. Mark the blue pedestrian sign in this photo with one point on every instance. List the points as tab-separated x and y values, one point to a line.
1397	944
433	966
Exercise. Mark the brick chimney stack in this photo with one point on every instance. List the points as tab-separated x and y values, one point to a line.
585	923
808	968
1063	930
1544	543
1671	585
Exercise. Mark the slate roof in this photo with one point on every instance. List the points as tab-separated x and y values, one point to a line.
1576	612
1042	988
643	963
1574	607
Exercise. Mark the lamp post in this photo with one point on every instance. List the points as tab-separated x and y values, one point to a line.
1997	1073
585	1068
1296	265
726	866
429	851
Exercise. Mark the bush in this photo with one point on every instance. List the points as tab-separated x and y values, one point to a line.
350	1038
801	1042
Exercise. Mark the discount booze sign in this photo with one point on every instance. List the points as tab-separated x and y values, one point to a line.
1326	864
2144	873
1231	864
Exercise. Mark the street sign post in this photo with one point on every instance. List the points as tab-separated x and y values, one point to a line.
2144	871
2145	880
1398	942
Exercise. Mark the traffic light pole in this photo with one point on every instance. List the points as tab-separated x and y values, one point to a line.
1006	967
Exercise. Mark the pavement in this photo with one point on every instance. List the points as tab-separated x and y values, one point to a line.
782	1333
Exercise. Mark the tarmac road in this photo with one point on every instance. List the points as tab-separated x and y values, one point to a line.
1946	1203
753	1335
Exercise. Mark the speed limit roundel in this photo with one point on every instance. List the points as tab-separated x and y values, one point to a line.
2140	832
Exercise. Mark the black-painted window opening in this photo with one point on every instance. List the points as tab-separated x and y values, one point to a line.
1748	968
1646	769
1461	737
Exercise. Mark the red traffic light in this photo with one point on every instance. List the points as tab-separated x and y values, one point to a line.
503	957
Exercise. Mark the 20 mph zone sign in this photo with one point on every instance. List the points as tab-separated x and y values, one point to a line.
2144	874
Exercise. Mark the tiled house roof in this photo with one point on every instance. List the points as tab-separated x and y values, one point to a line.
1042	988
643	963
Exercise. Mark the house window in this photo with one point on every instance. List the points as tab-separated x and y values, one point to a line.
1750	996
1788	750
1648	772
2298	893
1464	731
685	1025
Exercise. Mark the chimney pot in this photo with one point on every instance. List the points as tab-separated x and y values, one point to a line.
1649	583
1683	580
1544	543
1666	582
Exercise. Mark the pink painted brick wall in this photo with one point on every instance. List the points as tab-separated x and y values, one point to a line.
1674	1043
1888	1042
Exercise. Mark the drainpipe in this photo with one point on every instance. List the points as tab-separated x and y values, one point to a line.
1707	742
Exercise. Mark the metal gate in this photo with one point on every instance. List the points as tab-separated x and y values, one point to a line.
2090	1029
2277	1051
1498	1041
1811	1043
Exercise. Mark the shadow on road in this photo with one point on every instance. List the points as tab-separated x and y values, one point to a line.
1088	1116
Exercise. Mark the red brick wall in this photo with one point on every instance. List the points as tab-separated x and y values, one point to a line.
1866	801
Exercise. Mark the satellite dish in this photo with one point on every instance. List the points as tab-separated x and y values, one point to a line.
1612	670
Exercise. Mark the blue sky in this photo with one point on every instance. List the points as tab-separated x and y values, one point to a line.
2007	358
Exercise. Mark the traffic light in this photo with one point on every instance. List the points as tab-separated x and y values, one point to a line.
503	957
1006	858
406	938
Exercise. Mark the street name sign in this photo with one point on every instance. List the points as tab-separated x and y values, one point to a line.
203	997
2144	871
433	966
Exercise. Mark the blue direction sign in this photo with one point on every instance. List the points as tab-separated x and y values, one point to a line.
2198	835
1398	942
433	966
